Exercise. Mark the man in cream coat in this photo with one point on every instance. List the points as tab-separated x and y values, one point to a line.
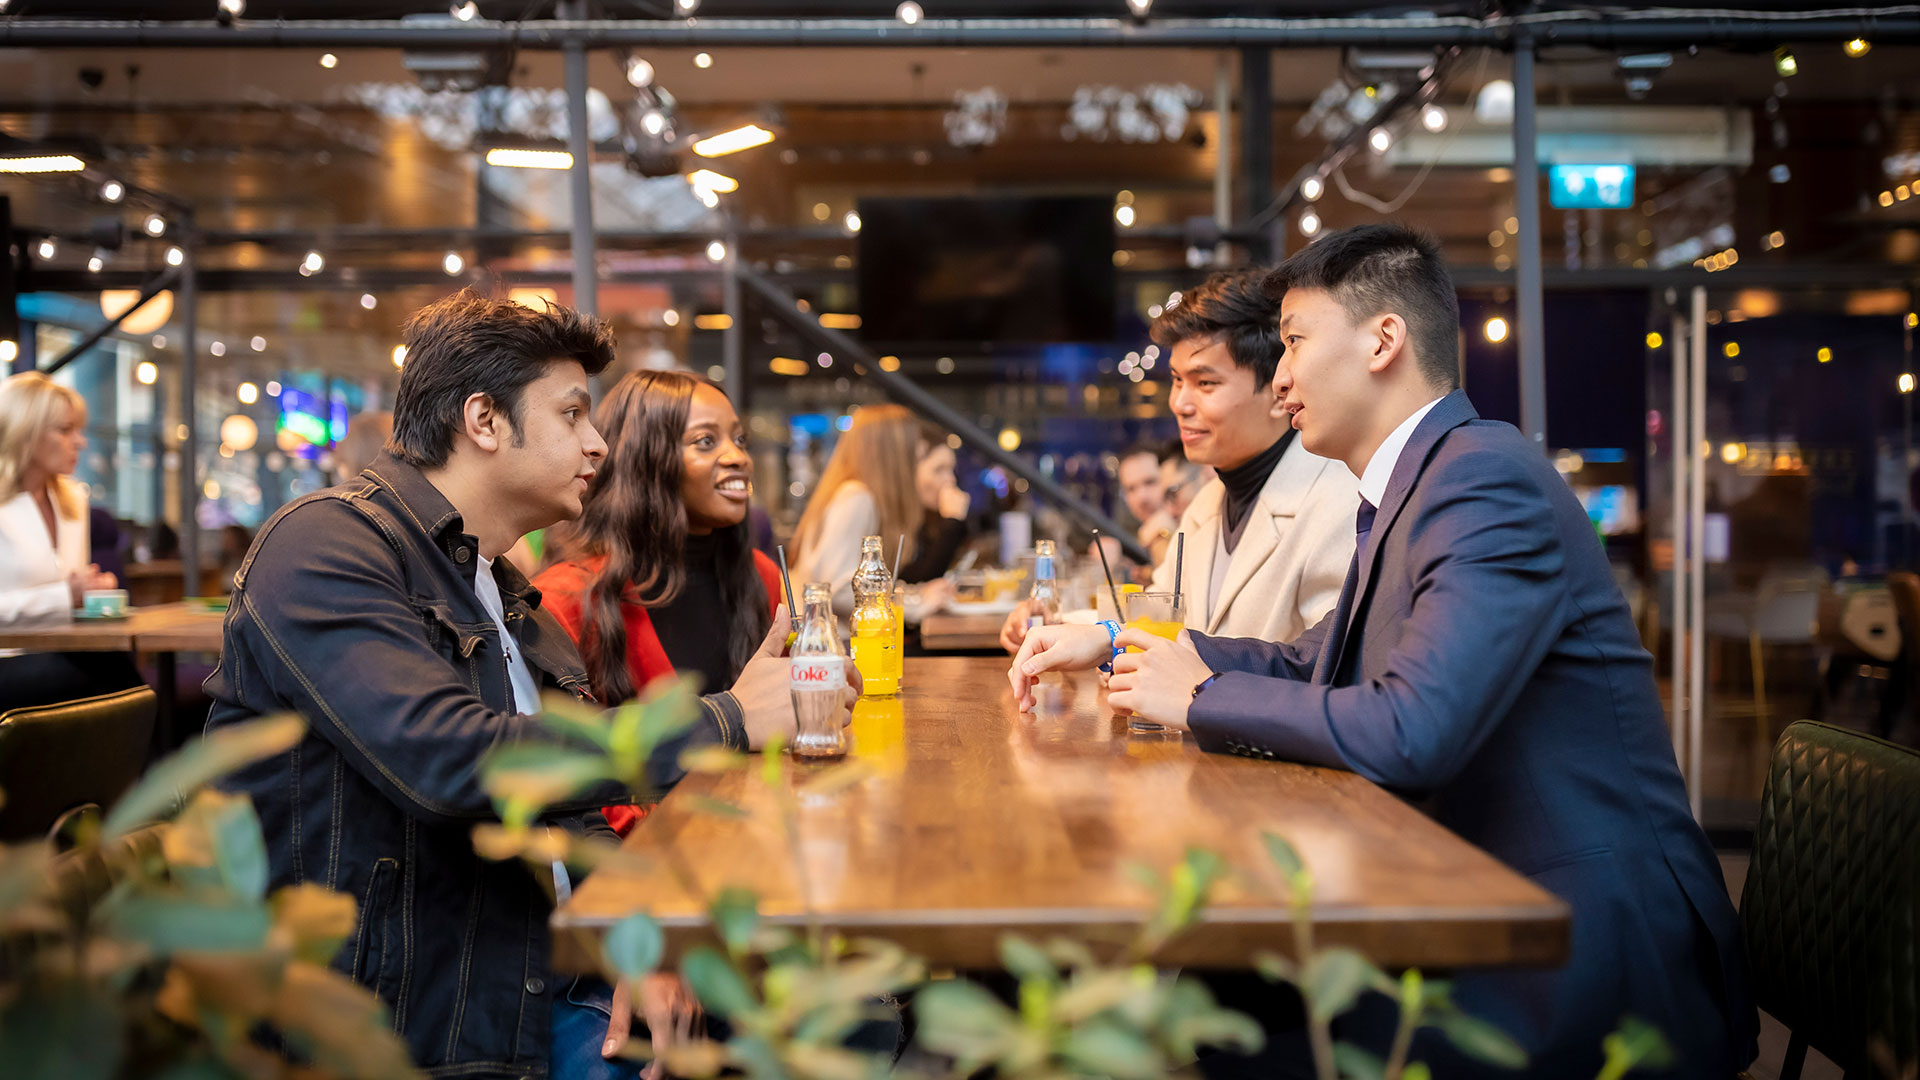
1268	540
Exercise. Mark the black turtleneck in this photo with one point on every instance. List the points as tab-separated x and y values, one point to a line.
693	628
1243	484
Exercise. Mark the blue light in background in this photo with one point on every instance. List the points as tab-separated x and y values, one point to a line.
1590	187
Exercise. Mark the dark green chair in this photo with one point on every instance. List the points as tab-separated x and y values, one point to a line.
1833	898
54	758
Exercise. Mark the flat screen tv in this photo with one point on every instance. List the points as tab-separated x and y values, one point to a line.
986	271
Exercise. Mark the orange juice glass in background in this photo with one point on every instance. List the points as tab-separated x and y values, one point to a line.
1161	614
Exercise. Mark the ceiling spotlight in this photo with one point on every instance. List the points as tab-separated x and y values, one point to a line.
1381	140
147	372
367	301
329	61
716	251
218	348
1784	63
231	9
96	263
1496	329
852	221
466	12
47	249
1858	47
312	264
175	256
686	8
1495	103
639	72
453	263
155	225
712	181
248	393
112	191
653	121
513	157
258	344
703	60
399	356
1139	8
1309	223
1123	215
1312	188
1434	118
41	163
909	12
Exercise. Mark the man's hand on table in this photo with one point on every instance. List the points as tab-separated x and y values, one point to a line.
1059	647
667	1005
1156	683
764	693
1014	630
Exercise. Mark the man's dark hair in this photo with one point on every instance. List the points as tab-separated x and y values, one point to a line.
468	344
1231	307
1152	449
1374	269
1173	450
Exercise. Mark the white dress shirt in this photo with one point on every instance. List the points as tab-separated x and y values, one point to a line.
1379	471
526	691
34	566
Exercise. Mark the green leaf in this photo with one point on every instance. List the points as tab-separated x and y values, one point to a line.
1094	992
811	1062
1276	968
1283	855
1024	960
960	1019
170	924
239	848
73	1033
525	778
634	946
1480	1040
1105	1049
574	720
340	1024
1144	876
23	874
736	915
318	920
719	808
1069	954
1356	1064
1633	1044
190	768
1333	980
1416	1070
699	1059
1221	1028
716	982
712	758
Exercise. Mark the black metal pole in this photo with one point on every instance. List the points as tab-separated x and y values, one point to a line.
909	393
734	339
148	292
189	471
586	282
1256	149
1526	187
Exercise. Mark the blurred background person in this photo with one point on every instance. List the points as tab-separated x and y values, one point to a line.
871	487
46	565
943	522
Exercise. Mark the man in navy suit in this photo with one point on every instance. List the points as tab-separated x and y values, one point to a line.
1480	660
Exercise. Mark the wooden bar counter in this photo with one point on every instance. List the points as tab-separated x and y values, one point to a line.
977	820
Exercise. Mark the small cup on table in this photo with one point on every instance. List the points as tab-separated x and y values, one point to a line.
1162	614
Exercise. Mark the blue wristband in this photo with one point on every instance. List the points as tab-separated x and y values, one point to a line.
1113	632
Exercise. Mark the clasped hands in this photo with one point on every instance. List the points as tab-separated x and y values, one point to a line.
1155	683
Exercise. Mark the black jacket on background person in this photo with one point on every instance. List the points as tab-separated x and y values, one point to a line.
356	609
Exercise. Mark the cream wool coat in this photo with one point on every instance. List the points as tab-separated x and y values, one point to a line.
1292	558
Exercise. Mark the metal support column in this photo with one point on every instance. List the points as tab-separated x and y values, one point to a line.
586	286
189	471
1526	187
1697	552
1679	427
1256	149
1222	150
733	341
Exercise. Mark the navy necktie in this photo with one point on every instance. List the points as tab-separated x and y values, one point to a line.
1362	525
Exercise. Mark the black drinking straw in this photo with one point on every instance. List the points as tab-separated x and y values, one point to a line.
1179	558
1108	570
793	613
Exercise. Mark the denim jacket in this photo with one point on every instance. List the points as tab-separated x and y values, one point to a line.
356	609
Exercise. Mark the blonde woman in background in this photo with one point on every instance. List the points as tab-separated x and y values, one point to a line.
871	488
45	558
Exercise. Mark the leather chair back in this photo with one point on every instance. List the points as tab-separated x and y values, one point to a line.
1832	898
56	757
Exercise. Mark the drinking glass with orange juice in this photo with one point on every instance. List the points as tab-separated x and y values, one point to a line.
1162	614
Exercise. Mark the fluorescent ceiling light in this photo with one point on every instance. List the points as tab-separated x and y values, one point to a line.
713	181
529	159
48	163
732	142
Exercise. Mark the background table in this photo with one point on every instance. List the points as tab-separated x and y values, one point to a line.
163	631
954	632
979	820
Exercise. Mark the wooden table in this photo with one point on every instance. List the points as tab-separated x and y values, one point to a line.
164	631
972	632
979	820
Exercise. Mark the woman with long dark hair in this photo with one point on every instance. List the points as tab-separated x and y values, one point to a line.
659	575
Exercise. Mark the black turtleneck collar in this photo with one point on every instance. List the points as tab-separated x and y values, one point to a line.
1243	483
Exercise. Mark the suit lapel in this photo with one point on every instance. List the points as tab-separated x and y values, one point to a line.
1451	411
1203	524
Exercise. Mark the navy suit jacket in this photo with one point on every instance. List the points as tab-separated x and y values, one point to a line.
1482	660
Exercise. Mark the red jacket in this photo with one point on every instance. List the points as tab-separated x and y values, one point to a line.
563	592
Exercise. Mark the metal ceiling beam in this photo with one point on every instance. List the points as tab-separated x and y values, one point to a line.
148	290
1619	29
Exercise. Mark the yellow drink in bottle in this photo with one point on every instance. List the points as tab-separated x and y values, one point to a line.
876	644
899	644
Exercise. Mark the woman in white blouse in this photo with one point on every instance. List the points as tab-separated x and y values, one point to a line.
45	560
874	485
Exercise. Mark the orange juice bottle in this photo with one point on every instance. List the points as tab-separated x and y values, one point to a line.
876	644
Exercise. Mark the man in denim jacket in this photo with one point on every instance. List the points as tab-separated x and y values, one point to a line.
382	611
